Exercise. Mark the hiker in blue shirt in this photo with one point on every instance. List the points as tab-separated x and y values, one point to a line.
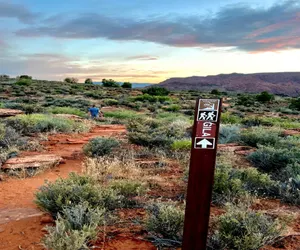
94	112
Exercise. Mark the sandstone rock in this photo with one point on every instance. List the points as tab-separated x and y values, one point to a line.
47	219
10	112
33	161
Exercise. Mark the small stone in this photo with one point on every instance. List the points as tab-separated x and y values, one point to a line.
2	230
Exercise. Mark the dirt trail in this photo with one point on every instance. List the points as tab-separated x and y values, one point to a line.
21	222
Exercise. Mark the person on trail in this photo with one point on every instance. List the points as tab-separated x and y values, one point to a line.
94	112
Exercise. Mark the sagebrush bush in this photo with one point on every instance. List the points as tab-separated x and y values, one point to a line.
166	221
289	191
271	160
45	123
66	110
155	133
100	146
229	133
242	229
181	145
228	118
53	197
260	136
74	228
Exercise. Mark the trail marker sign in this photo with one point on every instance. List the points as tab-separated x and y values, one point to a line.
201	174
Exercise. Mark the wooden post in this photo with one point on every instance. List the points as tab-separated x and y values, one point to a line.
201	174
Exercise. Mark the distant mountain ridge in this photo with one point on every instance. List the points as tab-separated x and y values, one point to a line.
282	83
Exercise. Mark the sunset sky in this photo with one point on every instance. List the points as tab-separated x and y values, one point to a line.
147	40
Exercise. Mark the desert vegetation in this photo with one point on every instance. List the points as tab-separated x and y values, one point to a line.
135	183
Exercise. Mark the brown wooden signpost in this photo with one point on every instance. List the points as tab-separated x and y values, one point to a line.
201	174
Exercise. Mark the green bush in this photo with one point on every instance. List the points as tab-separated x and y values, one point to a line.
242	229
66	110
289	191
123	114
75	228
264	97
173	108
53	197
23	82
156	91
44	123
126	85
110	102
150	98
295	104
128	189
271	160
229	133
88	81
245	100
228	118
260	136
181	145
100	146
166	221
110	83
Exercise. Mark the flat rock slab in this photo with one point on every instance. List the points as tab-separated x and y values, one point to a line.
10	112
13	214
33	161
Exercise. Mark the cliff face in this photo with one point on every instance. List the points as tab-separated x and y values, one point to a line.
287	83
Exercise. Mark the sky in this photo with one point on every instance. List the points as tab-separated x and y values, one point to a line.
147	41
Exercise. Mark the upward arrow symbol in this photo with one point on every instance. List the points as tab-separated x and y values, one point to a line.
204	143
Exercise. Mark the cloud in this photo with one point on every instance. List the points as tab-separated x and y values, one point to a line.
23	14
239	26
143	58
57	66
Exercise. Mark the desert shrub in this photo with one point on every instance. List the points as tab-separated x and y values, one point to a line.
260	136
23	82
154	133
181	145
215	92
32	108
61	237
295	104
289	191
231	183
9	137
81	104
173	108
126	85
166	221
227	187
128	189
100	146
150	98
44	123
66	110
71	80
288	111
122	114
88	81
75	228
264	97
252	121
156	91
229	133
271	160
110	102
228	118
245	100
110	83
243	229
53	197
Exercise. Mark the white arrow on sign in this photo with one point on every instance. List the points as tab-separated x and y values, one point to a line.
204	143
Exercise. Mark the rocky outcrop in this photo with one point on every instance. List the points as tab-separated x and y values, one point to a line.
10	112
42	161
285	83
